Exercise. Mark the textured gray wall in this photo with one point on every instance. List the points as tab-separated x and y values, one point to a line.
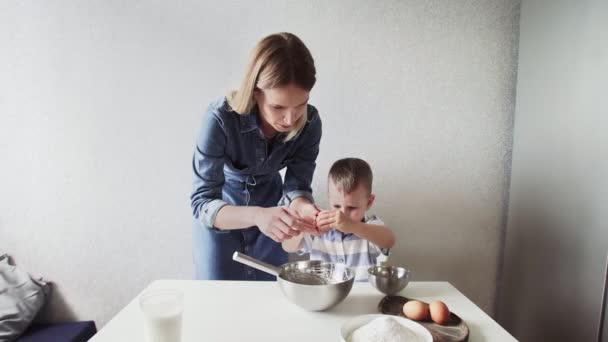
100	102
557	236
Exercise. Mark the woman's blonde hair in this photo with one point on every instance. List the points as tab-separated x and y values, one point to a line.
276	61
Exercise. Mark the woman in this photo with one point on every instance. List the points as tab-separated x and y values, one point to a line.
239	200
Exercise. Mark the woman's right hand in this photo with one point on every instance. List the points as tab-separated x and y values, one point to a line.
280	223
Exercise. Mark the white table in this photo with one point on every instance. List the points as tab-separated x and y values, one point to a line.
226	311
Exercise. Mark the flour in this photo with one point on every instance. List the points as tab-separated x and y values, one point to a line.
384	329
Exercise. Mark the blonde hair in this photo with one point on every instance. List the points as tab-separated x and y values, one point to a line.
348	173
276	61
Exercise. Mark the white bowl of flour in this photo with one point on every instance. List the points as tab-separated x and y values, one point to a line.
383	328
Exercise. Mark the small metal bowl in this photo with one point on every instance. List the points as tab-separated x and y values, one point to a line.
388	279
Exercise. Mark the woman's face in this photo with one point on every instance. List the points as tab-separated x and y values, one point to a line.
280	108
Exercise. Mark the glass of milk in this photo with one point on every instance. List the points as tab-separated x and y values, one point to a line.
162	310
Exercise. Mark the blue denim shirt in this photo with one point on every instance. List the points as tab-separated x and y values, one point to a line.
232	165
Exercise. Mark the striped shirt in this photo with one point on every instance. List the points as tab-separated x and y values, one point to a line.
356	253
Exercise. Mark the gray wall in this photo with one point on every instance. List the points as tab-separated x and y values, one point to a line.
557	235
100	102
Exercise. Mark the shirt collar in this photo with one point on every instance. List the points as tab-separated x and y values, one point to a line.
249	122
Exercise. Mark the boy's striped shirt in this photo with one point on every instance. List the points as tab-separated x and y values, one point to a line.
356	253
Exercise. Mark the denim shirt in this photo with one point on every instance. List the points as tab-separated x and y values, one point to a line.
232	164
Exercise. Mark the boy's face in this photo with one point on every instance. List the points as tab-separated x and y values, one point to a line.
353	204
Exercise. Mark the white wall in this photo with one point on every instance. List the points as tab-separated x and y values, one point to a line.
100	102
557	236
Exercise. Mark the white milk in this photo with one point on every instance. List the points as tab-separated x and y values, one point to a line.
162	312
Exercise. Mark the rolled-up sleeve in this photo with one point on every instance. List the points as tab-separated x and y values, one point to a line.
208	168
301	167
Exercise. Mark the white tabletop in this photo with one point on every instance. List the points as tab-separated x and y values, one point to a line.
227	311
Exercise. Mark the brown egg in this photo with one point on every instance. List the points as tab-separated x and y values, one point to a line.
439	312
416	310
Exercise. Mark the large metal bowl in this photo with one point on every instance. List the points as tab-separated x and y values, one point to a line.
388	279
294	284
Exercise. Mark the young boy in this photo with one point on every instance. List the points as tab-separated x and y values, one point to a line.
348	236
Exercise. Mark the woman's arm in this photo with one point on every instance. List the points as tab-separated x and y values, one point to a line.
301	167
208	169
278	223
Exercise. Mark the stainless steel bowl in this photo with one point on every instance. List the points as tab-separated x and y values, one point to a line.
316	297
312	285
388	279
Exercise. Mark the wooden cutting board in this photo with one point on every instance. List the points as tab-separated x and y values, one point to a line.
456	330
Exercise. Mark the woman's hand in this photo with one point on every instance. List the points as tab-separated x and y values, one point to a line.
280	223
308	211
328	219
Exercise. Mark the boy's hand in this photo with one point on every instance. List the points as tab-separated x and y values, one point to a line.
328	219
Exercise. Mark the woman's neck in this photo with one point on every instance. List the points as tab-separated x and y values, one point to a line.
267	130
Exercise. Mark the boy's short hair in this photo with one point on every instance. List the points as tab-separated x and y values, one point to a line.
348	173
